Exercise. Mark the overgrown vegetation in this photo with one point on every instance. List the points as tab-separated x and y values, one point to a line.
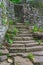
37	29
15	1
10	34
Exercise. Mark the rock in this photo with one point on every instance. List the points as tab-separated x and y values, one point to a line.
4	63
2	58
10	60
22	61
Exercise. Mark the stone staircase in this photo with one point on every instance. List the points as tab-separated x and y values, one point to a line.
25	44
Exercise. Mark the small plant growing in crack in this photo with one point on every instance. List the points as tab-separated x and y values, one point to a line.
39	42
30	56
0	53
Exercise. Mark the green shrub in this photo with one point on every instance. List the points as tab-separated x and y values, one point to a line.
8	55
9	36
35	29
15	1
1	54
30	56
39	42
15	30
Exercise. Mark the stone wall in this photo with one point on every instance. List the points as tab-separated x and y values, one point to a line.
29	13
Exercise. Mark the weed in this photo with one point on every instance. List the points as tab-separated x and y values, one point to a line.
30	56
0	53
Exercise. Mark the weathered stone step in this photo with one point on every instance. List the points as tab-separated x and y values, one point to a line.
4	51
38	60
5	63
22	38
34	48
38	53
16	50
24	35
25	49
21	26
19	23
35	53
18	45
22	31
30	41
25	44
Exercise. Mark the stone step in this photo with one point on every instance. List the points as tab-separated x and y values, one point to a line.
25	32
22	38
21	26
38	53
19	23
27	44
30	41
5	63
17	45
23	29
16	49
34	48
4	51
38	60
25	49
25	35
35	53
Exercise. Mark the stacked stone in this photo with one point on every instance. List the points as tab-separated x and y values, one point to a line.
3	28
0	13
11	10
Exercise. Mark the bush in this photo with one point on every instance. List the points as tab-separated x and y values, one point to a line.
30	56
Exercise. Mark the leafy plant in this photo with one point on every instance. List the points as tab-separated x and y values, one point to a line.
11	22
1	5
0	46
30	56
8	55
9	36
15	30
15	1
0	53
10	41
35	29
39	42
27	23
